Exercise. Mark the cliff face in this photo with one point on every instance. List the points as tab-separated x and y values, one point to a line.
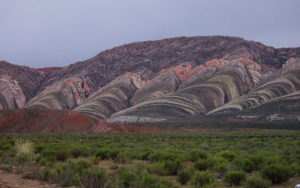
155	80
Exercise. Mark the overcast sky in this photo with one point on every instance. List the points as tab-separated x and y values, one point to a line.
43	33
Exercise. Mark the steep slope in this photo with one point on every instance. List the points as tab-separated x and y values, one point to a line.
161	85
284	82
18	84
150	57
65	94
155	81
145	61
211	88
114	97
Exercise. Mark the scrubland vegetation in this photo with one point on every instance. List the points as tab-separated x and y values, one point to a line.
135	160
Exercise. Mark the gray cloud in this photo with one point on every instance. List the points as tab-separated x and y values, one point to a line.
59	32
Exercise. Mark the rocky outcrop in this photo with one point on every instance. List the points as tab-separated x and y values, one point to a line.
112	98
196	98
26	78
11	94
281	84
165	83
65	94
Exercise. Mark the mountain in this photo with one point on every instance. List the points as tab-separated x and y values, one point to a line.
166	83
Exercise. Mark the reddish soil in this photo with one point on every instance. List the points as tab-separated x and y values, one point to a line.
33	120
10	180
36	120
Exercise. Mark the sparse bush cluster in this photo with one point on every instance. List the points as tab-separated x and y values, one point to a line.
151	160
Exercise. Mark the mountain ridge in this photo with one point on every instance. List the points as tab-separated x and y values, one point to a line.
183	76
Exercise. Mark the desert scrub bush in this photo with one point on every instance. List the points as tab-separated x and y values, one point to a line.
39	148
80	151
93	177
258	161
277	174
244	164
123	157
103	153
185	174
220	163
70	173
62	154
234	177
24	151
203	164
145	155
228	155
130	179
202	179
5	146
164	168
195	155
48	154
296	168
256	182
43	174
95	160
162	156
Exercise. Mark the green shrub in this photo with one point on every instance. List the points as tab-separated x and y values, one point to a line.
195	155
79	151
95	160
145	155
37	173
127	178
39	148
185	174
171	166
48	154
256	182
162	156
220	163
245	165
62	154
228	155
234	177
202	164
277	173
131	179
123	157
202	178
46	162
258	161
296	168
165	168
113	154
71	173
93	177
103	153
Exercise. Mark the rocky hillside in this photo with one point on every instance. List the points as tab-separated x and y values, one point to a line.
160	81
